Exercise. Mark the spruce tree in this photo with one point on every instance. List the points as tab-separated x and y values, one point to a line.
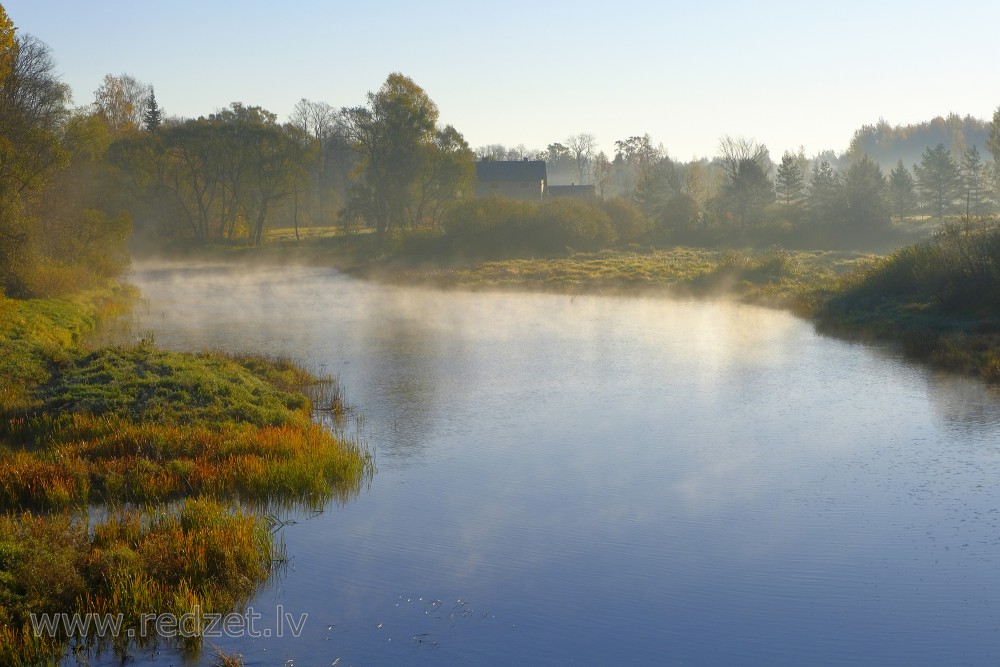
152	118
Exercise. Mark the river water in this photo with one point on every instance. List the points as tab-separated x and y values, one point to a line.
608	481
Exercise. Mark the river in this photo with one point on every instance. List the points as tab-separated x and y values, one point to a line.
608	481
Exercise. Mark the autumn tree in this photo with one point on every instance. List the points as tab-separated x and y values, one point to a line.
7	43
696	182
189	167
448	174
55	231
222	176
634	158
603	171
81	219
660	195
396	135
32	110
255	160
122	101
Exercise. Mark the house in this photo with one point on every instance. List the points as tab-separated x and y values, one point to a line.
515	179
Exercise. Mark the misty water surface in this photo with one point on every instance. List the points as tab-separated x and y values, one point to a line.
607	481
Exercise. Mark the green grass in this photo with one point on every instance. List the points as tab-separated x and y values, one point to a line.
36	334
143	383
189	437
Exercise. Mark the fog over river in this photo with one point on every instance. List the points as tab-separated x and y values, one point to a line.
609	481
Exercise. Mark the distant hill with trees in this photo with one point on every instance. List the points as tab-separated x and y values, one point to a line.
887	144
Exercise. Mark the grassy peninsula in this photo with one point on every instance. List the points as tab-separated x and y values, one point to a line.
135	480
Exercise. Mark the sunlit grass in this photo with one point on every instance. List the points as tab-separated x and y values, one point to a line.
37	333
183	435
199	555
774	276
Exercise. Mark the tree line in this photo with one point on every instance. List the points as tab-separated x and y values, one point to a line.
75	182
743	192
232	173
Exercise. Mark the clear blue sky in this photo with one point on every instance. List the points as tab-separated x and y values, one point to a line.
513	72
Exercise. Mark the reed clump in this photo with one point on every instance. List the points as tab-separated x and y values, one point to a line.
186	560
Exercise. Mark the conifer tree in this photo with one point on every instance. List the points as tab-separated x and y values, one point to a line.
152	118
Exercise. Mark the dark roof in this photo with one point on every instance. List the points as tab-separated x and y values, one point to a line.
510	170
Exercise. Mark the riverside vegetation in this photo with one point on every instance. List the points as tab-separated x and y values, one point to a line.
137	481
937	297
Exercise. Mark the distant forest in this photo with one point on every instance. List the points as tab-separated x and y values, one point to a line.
887	144
76	182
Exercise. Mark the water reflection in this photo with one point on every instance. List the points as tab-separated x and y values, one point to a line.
619	481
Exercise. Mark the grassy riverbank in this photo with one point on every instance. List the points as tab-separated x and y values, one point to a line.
939	299
936	298
184	453
777	277
908	296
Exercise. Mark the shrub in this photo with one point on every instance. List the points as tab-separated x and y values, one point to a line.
494	227
955	270
487	226
562	224
630	224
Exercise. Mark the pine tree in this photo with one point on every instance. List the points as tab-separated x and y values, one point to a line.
938	180
901	186
788	184
826	194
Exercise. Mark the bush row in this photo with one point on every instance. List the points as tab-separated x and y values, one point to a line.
495	227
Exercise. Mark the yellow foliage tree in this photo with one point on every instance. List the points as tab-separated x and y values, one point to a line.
8	45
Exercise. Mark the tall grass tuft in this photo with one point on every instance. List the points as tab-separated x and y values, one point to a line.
199	555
